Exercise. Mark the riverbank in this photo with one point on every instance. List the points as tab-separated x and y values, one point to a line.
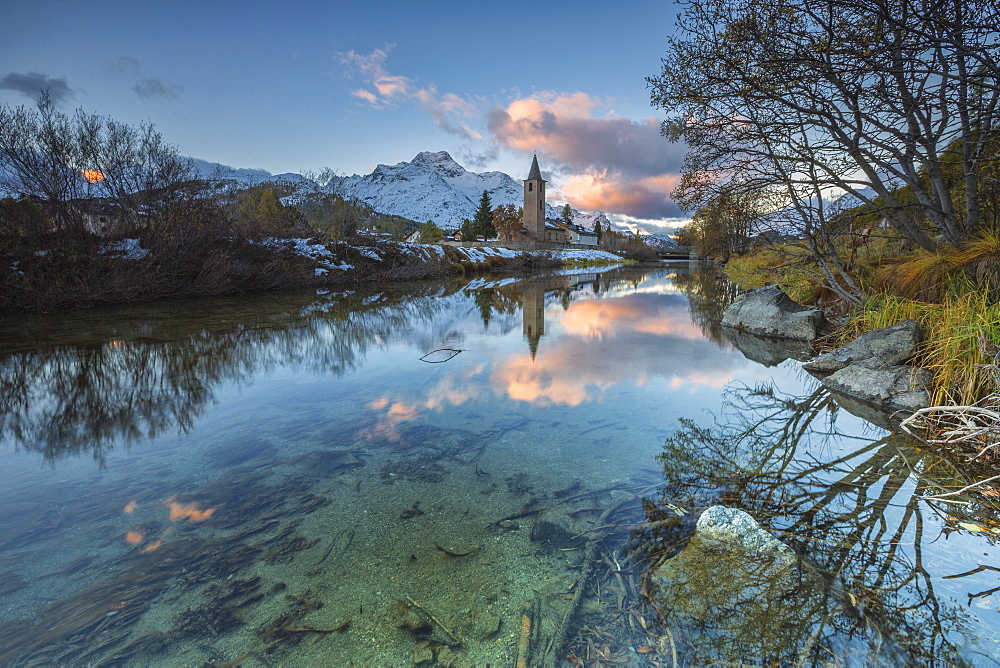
87	272
959	341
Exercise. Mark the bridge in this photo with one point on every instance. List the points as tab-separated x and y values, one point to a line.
678	253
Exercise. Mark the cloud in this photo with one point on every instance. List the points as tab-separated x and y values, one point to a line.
614	164
647	197
384	90
145	87
680	354
33	84
564	128
150	88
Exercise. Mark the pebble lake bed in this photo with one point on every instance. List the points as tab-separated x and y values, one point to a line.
465	473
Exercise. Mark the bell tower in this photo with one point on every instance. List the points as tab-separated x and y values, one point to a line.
534	201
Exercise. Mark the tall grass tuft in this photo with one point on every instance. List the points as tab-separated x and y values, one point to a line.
960	334
950	271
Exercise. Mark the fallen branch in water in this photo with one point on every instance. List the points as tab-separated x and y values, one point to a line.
455	639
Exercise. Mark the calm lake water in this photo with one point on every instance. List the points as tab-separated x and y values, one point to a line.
462	474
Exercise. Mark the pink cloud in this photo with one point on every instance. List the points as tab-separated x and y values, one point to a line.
565	128
647	197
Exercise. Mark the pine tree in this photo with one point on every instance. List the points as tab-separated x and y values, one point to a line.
468	230
567	214
597	231
483	220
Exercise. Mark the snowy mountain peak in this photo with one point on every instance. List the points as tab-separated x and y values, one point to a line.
440	161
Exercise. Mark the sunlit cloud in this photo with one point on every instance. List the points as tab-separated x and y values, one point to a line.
454	390
577	364
130	506
647	197
388	90
387	424
617	164
152	546
133	537
555	378
606	318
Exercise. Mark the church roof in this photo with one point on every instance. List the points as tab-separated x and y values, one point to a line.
534	172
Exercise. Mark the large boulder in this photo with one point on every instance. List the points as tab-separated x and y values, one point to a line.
873	369
770	312
889	346
735	593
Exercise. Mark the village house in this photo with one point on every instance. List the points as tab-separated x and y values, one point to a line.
576	235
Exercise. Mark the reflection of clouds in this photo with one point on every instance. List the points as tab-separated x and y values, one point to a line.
452	390
187	511
648	313
396	412
555	378
654	337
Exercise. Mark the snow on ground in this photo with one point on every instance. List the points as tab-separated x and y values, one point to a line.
327	260
128	249
483	283
588	254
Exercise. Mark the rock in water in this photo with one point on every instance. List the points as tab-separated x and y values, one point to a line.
872	369
769	311
735	593
888	346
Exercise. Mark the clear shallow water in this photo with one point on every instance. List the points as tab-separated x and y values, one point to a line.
283	479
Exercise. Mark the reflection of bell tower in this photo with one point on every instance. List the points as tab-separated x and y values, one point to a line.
534	201
533	310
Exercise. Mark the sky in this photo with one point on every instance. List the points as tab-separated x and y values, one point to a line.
294	86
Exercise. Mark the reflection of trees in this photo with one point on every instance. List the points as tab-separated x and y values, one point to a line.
709	295
852	511
120	380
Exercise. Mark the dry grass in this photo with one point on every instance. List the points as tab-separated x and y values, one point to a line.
784	266
933	276
961	337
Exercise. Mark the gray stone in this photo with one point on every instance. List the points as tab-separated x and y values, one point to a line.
758	597
889	346
738	529
769	311
901	388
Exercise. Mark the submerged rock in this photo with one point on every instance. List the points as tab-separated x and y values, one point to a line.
900	388
769	311
736	593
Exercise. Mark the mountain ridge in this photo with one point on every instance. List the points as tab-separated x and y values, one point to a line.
431	186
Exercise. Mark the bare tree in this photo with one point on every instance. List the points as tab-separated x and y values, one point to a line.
65	161
856	96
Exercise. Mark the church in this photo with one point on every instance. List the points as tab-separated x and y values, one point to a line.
534	222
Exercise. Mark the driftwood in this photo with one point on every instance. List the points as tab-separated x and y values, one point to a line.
454	639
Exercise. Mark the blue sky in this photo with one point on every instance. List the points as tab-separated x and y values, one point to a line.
292	86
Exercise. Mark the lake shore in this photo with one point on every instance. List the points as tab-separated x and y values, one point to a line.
91	272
